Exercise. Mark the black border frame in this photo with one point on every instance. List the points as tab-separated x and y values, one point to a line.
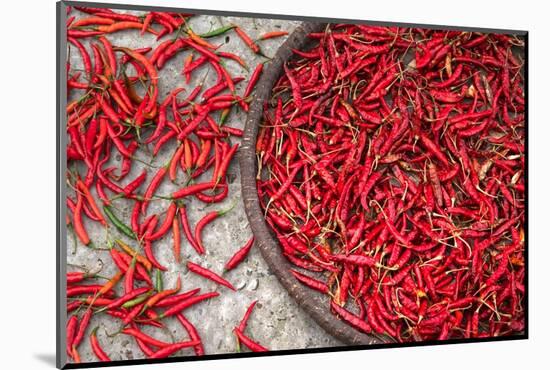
61	234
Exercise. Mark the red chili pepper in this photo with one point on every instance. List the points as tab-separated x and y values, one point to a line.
244	320
84	321
310	282
70	331
148	246
253	346
193	334
166	225
135	184
253	80
247	40
240	255
75	34
167	351
177	240
187	230
77	221
86	192
356	259
98	351
129	277
234	57
191	126
430	145
85	56
296	91
178	307
205	221
110	55
193	189
175	299
224	165
134	332
199	270
153	185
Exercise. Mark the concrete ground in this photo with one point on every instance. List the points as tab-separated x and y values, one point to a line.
277	322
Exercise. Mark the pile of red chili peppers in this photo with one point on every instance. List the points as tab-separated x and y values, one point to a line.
119	110
391	169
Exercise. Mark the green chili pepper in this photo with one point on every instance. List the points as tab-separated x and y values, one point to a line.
224	115
134	302
158	281
119	224
217	31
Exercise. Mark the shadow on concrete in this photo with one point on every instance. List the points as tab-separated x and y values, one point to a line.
47	358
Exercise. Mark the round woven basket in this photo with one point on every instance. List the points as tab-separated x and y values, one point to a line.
315	304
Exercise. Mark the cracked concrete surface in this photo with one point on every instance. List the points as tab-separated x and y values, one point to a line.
277	322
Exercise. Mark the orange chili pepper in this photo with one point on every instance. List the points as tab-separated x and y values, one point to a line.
140	258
